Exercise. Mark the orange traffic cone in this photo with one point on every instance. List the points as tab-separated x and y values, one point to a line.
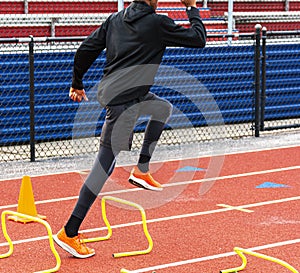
26	203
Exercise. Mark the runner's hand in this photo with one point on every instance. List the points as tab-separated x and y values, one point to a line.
77	95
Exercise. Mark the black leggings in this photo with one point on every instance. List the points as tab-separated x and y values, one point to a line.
101	170
106	157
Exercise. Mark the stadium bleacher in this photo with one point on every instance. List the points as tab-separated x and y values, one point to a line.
280	20
218	7
21	18
49	24
54	18
56	6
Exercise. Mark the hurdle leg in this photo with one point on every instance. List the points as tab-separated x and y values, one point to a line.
107	224
143	214
123	270
33	219
241	252
6	236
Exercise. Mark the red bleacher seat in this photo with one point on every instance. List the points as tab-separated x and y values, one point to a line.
218	7
294	5
180	13
246	21
63	31
56	6
12	7
72	6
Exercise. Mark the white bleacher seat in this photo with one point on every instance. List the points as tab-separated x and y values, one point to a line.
286	16
40	19
50	20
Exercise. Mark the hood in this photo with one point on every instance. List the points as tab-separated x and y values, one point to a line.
136	10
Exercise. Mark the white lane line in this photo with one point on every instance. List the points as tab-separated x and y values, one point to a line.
168	218
170	160
182	183
185	262
213	257
270	202
232	176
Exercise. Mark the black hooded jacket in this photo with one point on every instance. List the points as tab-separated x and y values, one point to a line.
135	40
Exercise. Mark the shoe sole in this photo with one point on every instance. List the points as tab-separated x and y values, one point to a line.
71	250
142	184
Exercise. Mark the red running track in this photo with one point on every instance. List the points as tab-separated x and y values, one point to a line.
195	222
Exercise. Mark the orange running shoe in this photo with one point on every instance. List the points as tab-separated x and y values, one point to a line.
74	245
143	180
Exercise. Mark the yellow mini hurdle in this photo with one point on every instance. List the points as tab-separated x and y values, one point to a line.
32	219
109	234
242	251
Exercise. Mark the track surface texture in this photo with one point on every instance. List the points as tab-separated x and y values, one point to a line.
209	205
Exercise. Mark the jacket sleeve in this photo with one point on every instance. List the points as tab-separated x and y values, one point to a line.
87	53
175	35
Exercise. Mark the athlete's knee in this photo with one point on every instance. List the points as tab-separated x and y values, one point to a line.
162	110
169	108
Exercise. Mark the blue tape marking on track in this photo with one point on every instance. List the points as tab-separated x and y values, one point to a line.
190	169
266	185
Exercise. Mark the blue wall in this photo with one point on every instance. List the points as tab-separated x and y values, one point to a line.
226	74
